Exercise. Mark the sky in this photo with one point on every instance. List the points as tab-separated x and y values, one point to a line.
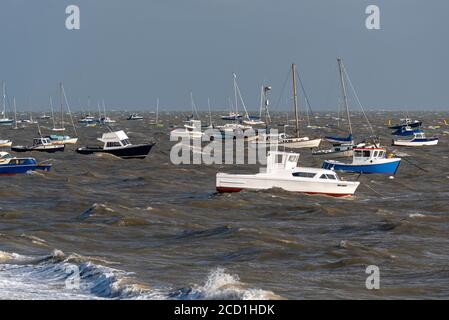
130	53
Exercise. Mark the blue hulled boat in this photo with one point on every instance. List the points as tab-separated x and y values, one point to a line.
346	140
10	165
367	160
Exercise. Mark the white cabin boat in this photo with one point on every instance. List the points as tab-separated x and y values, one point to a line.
282	172
5	143
192	129
419	139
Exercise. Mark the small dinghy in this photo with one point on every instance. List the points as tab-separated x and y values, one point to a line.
40	144
117	143
10	165
282	172
366	160
419	139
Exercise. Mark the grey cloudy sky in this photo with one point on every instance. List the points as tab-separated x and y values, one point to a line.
131	52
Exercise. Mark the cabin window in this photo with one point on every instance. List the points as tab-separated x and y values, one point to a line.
125	142
303	174
279	158
376	154
292	158
357	153
366	153
381	154
113	144
323	176
331	176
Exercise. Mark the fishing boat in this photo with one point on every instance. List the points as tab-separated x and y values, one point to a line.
282	172
5	143
134	117
419	139
117	143
40	144
10	165
368	159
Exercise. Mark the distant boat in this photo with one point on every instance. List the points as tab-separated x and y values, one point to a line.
5	120
406	122
5	143
232	116
419	139
117	143
192	129
44	117
40	144
370	159
135	117
58	139
282	172
10	165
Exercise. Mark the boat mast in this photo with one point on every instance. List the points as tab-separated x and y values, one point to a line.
210	114
52	112
15	114
62	106
4	99
235	93
157	110
345	97
295	99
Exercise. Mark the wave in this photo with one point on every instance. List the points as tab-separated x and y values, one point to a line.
58	276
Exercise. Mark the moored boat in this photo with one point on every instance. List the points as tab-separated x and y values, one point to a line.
58	139
369	159
282	172
419	139
40	144
5	143
134	117
117	143
10	165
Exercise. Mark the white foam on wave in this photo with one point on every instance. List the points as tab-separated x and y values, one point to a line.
26	277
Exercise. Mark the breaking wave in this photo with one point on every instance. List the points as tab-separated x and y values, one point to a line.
52	277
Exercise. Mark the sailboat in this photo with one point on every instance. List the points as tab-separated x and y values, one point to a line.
298	141
62	139
156	121
105	119
236	128
341	146
252	120
366	158
5	120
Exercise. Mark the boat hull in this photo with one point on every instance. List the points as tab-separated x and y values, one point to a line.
415	142
333	154
66	141
299	143
48	149
130	152
10	169
390	166
235	183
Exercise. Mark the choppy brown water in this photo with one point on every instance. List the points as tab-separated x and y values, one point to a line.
166	225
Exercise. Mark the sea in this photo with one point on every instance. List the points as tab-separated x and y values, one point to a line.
100	227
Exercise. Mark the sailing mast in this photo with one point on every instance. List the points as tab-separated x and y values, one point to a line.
345	96
157	111
52	112
4	100
295	99
15	114
62	107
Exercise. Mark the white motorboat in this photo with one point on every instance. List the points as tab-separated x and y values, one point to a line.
192	129
419	139
282	172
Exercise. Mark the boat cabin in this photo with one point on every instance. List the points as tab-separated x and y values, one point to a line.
41	142
368	154
281	161
117	139
193	126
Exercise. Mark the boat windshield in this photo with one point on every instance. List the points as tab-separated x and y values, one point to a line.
125	142
6	156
